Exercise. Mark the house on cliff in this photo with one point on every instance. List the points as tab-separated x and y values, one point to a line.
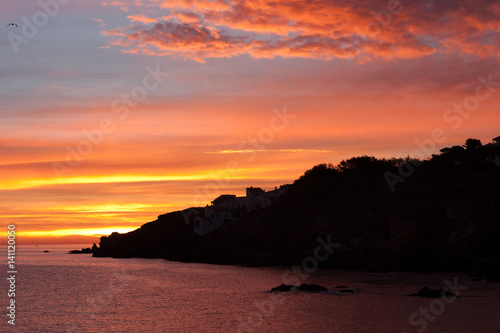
212	219
226	207
227	201
496	145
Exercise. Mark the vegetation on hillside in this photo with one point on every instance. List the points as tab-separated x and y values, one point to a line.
449	205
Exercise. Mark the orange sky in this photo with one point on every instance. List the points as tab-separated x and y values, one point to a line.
114	112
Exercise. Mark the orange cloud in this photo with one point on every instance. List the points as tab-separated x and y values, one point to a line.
366	30
188	40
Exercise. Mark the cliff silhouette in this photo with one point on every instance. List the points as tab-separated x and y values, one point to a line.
387	214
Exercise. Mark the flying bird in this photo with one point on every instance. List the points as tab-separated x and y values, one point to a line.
12	24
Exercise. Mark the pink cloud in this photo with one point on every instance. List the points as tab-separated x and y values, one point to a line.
141	19
367	30
122	5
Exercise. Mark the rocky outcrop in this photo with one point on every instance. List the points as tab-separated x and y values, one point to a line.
283	288
168	237
303	287
84	250
354	205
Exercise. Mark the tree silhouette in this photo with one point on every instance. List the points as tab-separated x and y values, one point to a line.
318	171
472	144
366	164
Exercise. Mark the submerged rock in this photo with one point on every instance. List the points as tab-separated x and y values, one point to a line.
312	287
433	293
303	287
347	291
282	288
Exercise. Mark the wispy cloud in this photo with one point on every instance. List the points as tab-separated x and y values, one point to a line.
246	151
101	22
122	5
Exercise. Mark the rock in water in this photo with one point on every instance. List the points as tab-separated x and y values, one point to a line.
282	288
302	287
433	293
312	287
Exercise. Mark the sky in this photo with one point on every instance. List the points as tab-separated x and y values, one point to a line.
114	112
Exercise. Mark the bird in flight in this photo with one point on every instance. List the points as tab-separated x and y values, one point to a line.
14	24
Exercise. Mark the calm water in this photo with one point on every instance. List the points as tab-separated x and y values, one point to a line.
59	292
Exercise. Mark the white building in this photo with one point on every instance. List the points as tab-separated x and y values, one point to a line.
212	219
227	207
227	201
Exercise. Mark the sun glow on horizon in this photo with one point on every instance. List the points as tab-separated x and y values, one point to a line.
77	232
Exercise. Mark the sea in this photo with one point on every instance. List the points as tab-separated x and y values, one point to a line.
60	292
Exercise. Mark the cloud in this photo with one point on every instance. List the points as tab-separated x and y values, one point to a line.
119	4
192	40
101	22
141	19
365	30
246	151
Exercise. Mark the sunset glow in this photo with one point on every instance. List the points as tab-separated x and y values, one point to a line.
80	232
113	113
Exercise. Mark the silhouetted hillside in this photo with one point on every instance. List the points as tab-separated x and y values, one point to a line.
163	238
439	214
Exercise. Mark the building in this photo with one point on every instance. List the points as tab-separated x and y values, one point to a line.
268	197
253	198
226	207
496	146
212	219
227	201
